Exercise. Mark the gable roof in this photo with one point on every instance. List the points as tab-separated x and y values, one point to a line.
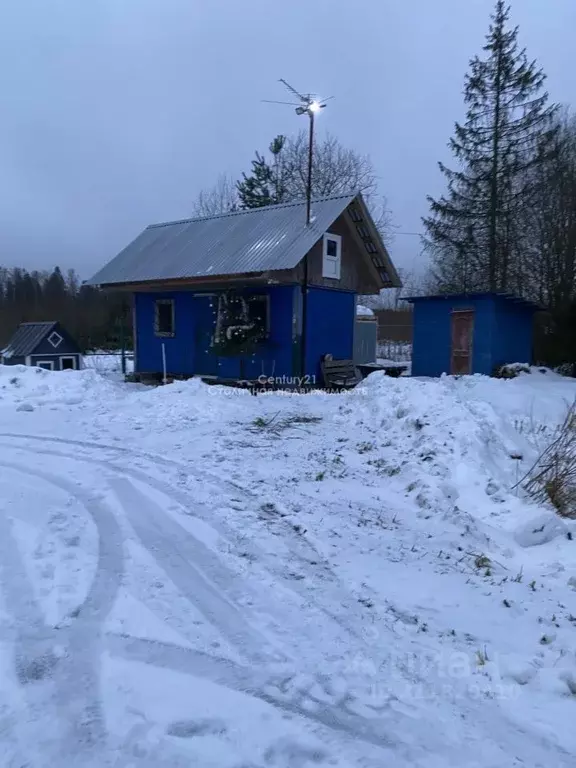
250	241
26	338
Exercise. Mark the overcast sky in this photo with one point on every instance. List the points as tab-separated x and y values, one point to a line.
116	113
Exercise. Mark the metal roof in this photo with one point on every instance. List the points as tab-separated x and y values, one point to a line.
26	339
478	295
255	240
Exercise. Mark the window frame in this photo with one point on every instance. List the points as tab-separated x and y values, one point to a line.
69	357
42	363
157	331
336	261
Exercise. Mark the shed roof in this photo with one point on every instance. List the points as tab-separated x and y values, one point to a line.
474	295
26	338
256	240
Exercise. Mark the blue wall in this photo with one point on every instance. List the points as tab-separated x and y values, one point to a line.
514	333
502	333
330	324
188	351
66	347
179	348
14	361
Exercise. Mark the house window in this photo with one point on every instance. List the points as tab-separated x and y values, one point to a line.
48	365
164	317
259	313
68	363
331	256
55	339
242	323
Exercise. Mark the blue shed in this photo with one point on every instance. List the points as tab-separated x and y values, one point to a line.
470	333
43	345
251	295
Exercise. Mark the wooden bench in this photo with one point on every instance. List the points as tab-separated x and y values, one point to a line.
339	374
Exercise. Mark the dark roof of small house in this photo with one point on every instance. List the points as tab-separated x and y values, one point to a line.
26	338
474	295
249	241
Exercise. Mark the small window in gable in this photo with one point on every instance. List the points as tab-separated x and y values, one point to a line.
331	256
164	317
55	339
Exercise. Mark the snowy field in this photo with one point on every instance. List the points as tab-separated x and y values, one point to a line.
193	576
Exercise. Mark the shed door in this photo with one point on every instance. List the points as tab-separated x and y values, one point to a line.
462	329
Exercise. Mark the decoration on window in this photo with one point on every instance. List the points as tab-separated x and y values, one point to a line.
241	324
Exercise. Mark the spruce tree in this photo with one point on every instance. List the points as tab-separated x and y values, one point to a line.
472	230
264	185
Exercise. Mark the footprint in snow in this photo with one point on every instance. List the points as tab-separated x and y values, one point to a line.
188	729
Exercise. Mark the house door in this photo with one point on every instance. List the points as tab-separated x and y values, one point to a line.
462	329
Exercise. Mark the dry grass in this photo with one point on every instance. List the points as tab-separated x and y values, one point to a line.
553	476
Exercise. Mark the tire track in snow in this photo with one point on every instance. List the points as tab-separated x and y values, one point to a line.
74	672
328	715
346	611
192	568
257	684
253	682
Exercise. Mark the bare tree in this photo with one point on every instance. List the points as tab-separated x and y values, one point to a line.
335	170
413	284
221	198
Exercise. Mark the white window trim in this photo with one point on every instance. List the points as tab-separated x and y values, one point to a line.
68	357
45	362
333	272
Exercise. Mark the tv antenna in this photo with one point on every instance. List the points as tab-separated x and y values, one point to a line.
307	104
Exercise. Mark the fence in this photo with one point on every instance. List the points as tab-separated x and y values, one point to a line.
396	351
394	325
108	362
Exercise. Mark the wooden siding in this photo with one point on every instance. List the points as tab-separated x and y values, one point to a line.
355	272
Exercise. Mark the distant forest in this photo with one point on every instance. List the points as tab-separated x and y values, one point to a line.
93	317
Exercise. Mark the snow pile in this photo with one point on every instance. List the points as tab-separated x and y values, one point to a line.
362	311
36	387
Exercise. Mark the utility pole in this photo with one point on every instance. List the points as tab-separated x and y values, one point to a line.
308	105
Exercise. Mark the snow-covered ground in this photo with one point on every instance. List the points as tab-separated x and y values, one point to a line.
191	575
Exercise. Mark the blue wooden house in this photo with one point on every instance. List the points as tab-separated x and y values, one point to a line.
251	294
44	345
470	333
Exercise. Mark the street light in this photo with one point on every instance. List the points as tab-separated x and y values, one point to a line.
308	105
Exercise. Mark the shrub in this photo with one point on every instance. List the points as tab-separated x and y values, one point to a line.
510	371
553	476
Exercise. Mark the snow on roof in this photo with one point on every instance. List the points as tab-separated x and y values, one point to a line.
362	311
